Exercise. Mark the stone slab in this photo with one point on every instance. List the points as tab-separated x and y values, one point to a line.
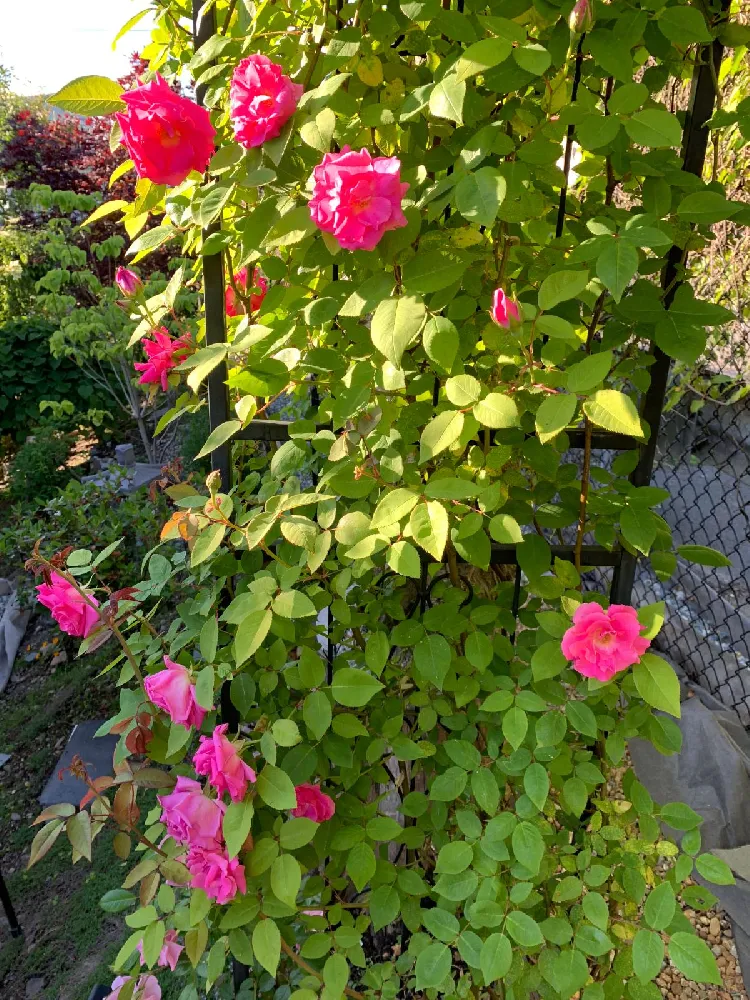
96	753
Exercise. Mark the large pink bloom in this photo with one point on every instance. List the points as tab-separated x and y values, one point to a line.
147	988
602	643
358	198
163	355
504	311
170	952
191	817
313	804
234	306
174	692
217	757
69	609
261	99
166	135
220	876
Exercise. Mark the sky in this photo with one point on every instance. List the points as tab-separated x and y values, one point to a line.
69	38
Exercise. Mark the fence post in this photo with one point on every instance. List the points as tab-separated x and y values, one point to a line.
694	145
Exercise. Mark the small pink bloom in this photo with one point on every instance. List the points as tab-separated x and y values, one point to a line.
358	198
170	952
259	287
174	692
191	817
313	804
166	135
217	757
314	913
128	282
163	355
220	876
602	643
504	311
261	99
147	988
69	609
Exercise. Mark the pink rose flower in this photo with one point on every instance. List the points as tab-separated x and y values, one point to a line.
163	355
173	691
166	135
220	876
147	988
69	609
170	952
358	198
602	643
313	804
217	757
234	306
128	282
191	817
504	311
261	99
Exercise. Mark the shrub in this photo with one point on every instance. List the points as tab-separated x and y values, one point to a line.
37	470
31	374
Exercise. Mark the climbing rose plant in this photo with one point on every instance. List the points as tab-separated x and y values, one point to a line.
411	272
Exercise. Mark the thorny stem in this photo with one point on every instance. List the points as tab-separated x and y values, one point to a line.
314	972
318	49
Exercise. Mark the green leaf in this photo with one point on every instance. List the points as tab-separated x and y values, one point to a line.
714	870
89	96
294	604
205	361
151	240
454	857
616	265
393	507
207	543
657	683
432	658
433	966
447	101
570	971
317	714
639	527
354	688
286	878
267	945
395	323
276	789
318	132
385	905
680	816
481	56
528	846
431	272
560	286
553	416
515	726
648	955
575	795
236	825
532	57
693	958
592	940
429	527
297	832
403	558
703	555
660	907
251	632
706	207
361	865
581	718
335	975
655	128
463	390
495	958
680	338
440	341
596	910
440	433
78	829
684	25
505	529
441	924
204	685
213	201
479	194
614	411
522	928
496	410
536	784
